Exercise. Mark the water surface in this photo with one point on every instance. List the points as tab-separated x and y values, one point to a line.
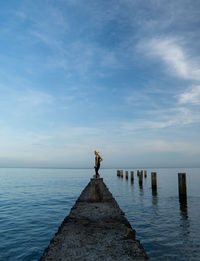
34	202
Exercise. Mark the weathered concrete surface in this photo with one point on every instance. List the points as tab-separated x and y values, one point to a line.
94	231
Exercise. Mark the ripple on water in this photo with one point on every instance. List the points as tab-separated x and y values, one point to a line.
33	203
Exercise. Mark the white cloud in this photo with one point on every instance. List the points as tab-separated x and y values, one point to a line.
174	117
190	96
174	56
182	65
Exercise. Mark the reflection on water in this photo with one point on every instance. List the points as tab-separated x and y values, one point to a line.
154	192
141	190
184	224
33	203
154	198
184	221
162	223
183	208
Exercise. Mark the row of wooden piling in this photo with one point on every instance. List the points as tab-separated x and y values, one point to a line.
120	173
140	174
181	181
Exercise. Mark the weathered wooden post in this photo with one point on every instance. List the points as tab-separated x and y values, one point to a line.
141	172
121	173
182	186
126	174
145	173
118	173
153	181
132	176
140	179
138	172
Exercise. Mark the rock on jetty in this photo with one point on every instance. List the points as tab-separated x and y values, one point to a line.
96	229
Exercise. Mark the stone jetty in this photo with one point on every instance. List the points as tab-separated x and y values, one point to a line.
95	229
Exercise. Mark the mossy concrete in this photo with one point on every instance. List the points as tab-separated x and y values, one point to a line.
95	231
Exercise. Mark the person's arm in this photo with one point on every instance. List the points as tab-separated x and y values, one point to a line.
101	158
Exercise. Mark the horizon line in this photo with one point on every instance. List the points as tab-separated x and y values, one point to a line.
136	167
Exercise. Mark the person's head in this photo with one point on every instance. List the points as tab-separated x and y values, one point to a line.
96	152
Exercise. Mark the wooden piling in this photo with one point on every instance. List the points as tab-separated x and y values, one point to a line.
153	181
138	172
126	174
140	179
118	173
121	173
132	176
145	173
182	186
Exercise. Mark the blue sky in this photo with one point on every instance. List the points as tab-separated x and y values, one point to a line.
119	76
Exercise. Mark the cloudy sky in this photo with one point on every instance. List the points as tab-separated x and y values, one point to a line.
120	76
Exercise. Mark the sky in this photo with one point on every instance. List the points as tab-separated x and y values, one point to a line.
119	76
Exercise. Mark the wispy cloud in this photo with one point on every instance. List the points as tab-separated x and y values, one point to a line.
177	59
155	117
190	96
179	62
79	83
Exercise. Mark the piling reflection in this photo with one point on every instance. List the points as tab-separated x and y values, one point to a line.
183	208
184	222
132	177
154	197
154	192
141	189
141	180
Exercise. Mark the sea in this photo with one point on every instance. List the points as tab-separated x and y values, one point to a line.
34	202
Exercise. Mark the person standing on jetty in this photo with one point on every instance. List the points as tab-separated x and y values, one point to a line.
98	159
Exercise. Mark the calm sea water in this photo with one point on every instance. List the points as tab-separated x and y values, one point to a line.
34	202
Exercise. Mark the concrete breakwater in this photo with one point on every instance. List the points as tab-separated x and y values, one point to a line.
95	229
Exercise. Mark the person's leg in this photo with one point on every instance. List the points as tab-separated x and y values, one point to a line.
97	173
